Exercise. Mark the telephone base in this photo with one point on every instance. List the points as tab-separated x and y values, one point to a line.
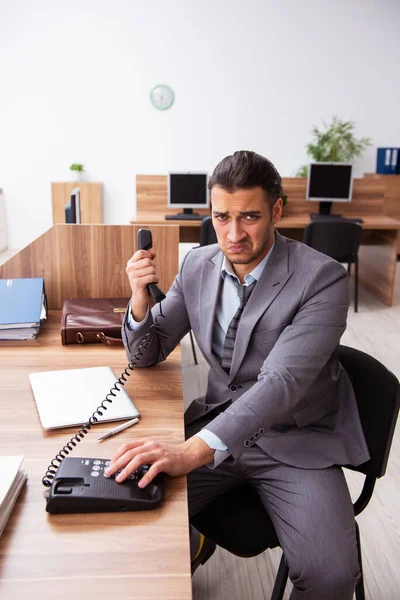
80	486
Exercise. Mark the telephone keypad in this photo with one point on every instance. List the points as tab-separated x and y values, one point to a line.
97	468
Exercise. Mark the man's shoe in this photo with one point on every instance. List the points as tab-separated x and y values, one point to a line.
205	551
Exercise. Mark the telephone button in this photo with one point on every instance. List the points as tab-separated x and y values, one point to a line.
97	462
95	473
107	463
96	468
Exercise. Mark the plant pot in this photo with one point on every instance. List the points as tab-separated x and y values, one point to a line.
78	176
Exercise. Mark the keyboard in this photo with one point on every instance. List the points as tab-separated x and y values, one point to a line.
318	217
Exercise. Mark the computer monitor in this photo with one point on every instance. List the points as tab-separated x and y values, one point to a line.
187	191
329	182
73	207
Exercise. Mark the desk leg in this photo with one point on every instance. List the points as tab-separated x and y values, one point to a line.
377	258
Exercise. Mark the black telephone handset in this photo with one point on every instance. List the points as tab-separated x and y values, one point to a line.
145	242
77	485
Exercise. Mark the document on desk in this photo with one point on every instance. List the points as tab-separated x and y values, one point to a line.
70	397
12	478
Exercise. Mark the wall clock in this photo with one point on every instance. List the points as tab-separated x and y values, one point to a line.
162	96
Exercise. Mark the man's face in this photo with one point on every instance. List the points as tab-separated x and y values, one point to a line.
244	225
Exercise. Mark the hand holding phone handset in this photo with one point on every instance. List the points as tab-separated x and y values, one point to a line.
144	243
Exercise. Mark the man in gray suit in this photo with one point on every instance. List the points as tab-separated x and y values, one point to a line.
279	413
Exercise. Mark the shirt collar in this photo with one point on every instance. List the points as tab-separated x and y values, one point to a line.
250	277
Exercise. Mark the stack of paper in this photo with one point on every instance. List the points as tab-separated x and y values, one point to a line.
23	308
12	478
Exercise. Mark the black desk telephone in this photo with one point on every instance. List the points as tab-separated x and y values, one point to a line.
78	485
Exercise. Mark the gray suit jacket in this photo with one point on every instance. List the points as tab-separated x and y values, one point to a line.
286	391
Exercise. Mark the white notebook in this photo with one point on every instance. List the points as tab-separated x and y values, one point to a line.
67	398
12	478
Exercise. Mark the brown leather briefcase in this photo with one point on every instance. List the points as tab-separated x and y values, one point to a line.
93	320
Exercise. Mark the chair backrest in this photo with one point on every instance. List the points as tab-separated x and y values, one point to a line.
377	392
207	232
339	239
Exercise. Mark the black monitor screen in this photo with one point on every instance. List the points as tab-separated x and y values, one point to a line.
331	182
187	190
73	207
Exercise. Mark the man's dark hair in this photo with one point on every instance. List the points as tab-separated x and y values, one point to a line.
244	170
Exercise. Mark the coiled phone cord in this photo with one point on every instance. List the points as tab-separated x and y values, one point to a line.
47	480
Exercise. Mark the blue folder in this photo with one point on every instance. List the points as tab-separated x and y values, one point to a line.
388	161
394	161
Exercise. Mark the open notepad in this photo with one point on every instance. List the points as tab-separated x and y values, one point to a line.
12	478
70	397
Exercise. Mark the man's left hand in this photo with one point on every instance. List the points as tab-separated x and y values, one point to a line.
175	460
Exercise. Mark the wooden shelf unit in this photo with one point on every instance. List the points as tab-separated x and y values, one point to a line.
90	199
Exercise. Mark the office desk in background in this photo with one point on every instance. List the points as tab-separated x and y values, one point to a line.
380	238
140	555
378	249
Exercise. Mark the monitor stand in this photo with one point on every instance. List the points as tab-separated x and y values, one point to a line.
325	211
187	215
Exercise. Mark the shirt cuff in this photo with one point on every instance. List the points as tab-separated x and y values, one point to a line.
215	443
136	325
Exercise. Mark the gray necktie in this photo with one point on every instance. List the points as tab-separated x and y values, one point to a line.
244	292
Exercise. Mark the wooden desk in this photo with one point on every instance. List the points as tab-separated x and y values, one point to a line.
189	231
140	555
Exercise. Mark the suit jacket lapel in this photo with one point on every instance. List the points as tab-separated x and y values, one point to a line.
210	286
272	281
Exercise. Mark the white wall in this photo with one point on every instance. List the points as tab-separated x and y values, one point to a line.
75	79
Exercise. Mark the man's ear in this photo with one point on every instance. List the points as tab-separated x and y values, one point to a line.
277	211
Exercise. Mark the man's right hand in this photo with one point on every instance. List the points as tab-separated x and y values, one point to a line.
141	271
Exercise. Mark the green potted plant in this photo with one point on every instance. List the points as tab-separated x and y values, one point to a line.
336	143
77	170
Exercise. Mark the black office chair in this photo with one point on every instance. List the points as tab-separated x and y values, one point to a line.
339	239
207	232
207	236
238	522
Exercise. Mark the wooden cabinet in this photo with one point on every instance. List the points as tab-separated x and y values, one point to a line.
91	201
